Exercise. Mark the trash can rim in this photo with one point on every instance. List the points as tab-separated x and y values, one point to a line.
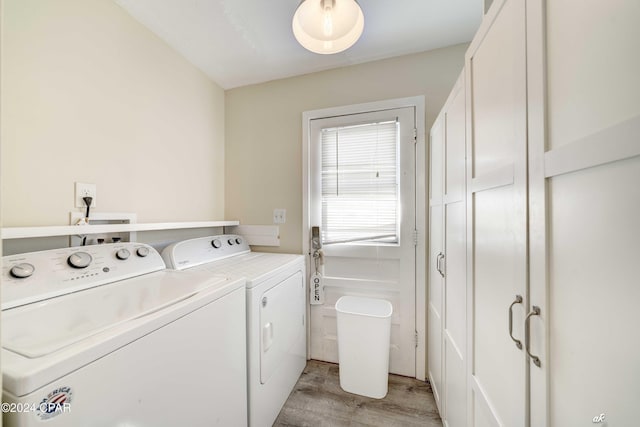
364	306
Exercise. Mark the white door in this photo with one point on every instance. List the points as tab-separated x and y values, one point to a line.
362	196
497	217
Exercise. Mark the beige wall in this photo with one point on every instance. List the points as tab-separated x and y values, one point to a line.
90	95
264	128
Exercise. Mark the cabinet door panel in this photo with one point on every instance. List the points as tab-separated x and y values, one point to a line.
456	390
436	156
434	351
593	67
482	416
455	145
455	289
499	366
498	83
455	316
594	249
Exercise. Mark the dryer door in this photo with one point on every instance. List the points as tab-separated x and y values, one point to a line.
282	326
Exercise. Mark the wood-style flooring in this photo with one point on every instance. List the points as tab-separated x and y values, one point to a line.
317	400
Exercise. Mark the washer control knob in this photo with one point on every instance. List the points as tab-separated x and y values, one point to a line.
142	251
231	241
238	240
22	270
79	260
123	254
216	243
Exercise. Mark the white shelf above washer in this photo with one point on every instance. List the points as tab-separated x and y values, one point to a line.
69	230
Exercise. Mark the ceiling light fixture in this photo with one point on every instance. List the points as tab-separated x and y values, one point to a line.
328	26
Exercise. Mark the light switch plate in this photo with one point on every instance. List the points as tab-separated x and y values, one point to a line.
279	216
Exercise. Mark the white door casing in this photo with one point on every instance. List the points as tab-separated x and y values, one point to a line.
378	270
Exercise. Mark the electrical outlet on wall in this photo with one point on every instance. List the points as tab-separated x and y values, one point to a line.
279	216
85	190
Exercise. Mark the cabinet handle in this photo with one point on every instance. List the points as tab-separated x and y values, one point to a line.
518	300
439	258
535	311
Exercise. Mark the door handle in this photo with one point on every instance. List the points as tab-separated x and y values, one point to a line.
535	311
267	336
439	258
518	300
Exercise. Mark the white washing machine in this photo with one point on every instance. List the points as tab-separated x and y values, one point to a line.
276	330
105	336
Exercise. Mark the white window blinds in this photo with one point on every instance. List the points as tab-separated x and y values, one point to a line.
360	200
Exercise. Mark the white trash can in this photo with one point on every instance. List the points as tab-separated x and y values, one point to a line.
364	332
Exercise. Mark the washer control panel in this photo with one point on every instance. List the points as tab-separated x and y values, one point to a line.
192	252
36	276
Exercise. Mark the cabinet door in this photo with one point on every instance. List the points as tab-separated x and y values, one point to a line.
436	252
455	320
587	173
497	217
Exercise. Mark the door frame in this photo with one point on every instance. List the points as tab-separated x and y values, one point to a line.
417	102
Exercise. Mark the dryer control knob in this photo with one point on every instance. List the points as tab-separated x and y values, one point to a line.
142	251
216	243
238	240
22	270
79	260
123	254
231	241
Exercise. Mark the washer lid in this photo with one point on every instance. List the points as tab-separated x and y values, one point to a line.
36	330
45	341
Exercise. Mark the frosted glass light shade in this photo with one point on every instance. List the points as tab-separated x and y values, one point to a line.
328	26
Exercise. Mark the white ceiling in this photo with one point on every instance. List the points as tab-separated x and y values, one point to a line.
241	42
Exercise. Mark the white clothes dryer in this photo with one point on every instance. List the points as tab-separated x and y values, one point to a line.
276	316
105	336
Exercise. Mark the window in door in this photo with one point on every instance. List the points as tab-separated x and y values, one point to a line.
360	200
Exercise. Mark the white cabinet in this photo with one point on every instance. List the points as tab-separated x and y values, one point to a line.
447	260
550	221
